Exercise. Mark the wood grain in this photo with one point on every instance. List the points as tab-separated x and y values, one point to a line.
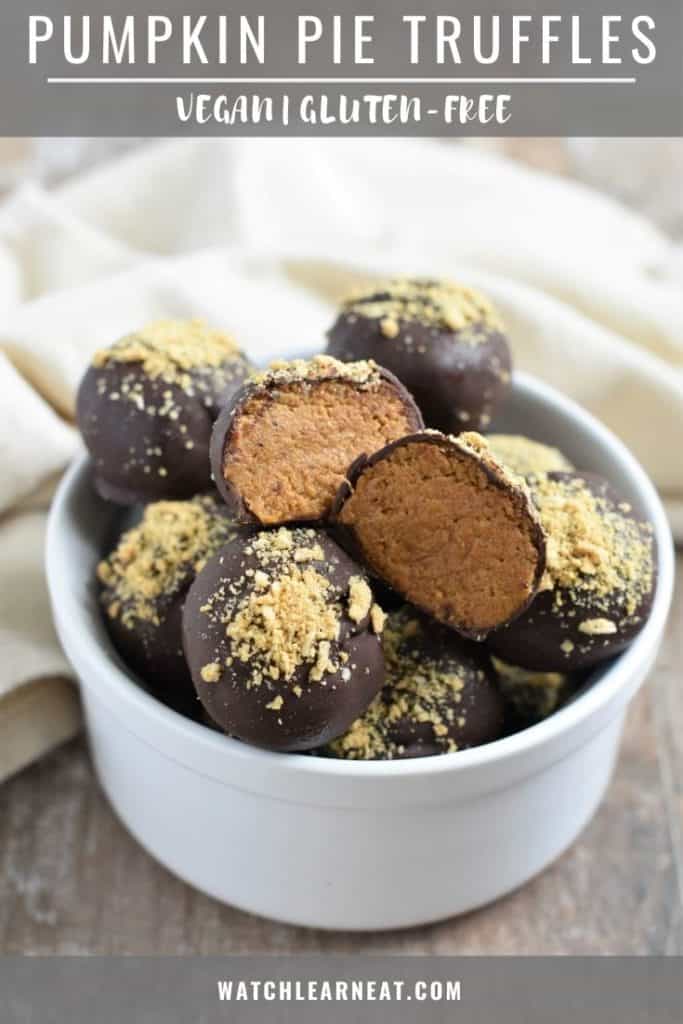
73	881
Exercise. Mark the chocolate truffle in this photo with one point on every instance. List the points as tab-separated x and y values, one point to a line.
525	457
146	406
281	634
441	521
599	583
281	448
444	341
144	582
439	696
531	696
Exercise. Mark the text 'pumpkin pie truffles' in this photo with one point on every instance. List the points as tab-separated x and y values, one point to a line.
281	448
444	341
445	525
146	406
282	636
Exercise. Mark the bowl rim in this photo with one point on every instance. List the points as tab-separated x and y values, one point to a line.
596	697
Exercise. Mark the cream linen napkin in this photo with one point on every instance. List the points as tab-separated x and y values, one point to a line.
262	237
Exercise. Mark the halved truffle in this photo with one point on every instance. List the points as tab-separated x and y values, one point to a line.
525	457
281	633
146	407
281	448
444	341
144	581
599	583
440	521
439	697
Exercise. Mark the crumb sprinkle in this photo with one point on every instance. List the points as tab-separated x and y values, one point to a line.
526	457
437	304
154	560
211	673
597	557
169	348
378	619
284	616
360	599
419	691
598	627
363	372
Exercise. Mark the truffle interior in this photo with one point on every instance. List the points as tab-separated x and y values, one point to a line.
289	448
455	542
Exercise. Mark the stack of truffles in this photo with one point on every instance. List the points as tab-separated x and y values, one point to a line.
326	561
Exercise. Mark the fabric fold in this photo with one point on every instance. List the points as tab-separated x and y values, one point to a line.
261	238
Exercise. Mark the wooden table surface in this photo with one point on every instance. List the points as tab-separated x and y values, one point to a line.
73	881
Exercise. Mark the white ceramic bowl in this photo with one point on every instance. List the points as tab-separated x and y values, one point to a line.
337	844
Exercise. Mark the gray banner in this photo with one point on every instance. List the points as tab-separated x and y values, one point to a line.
252	990
341	67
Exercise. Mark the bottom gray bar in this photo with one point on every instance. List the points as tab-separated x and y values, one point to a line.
253	990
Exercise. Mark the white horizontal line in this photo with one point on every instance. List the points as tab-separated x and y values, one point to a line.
340	81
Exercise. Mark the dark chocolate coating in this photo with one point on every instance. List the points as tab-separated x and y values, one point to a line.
324	708
155	653
140	454
531	696
458	384
547	637
228	421
472	715
153	648
348	540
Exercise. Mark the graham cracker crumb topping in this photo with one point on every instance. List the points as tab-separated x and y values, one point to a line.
438	304
285	623
169	348
153	561
378	619
419	690
596	555
321	367
598	627
286	613
165	371
526	457
211	673
360	599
